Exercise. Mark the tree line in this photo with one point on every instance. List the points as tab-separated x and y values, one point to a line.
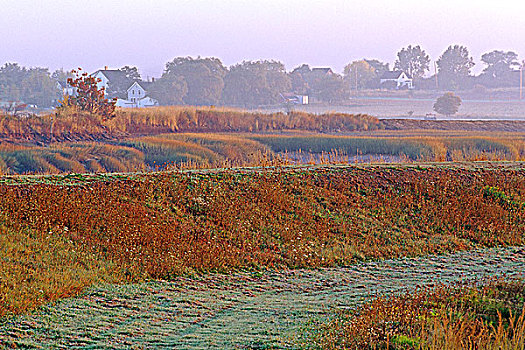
207	81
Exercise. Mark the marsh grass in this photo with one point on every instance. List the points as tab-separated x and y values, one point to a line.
226	150
212	119
412	148
82	126
69	158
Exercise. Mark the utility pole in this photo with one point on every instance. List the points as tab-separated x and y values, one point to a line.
436	75
521	79
356	79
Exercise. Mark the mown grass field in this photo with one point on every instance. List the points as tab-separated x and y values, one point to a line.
287	309
419	108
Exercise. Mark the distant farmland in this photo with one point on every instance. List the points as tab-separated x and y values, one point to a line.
401	108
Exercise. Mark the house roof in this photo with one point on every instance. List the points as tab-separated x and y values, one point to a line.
393	74
145	85
322	70
113	75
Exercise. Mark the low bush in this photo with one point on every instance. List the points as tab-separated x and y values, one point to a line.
474	315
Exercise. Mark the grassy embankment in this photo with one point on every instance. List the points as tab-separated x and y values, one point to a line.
166	224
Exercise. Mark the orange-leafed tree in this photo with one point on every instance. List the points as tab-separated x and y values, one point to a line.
88	96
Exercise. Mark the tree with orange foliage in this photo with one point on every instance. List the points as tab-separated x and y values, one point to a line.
89	97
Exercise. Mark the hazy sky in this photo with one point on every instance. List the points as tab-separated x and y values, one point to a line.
148	33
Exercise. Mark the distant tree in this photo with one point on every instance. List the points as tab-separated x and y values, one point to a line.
204	78
362	71
61	75
255	83
499	68
413	61
448	104
131	73
11	76
328	87
454	67
38	88
169	90
379	69
323	86
89	97
302	69
31	86
298	78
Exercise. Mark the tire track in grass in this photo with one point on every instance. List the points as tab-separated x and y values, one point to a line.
239	310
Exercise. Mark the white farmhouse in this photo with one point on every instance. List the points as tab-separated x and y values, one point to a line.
137	96
137	91
397	78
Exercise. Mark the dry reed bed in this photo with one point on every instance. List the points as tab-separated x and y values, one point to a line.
73	126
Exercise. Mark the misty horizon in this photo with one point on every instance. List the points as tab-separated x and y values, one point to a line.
148	34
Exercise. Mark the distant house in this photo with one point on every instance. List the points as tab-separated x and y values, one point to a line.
138	90
322	71
137	96
398	79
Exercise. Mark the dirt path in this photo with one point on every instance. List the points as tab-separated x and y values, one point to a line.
241	310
